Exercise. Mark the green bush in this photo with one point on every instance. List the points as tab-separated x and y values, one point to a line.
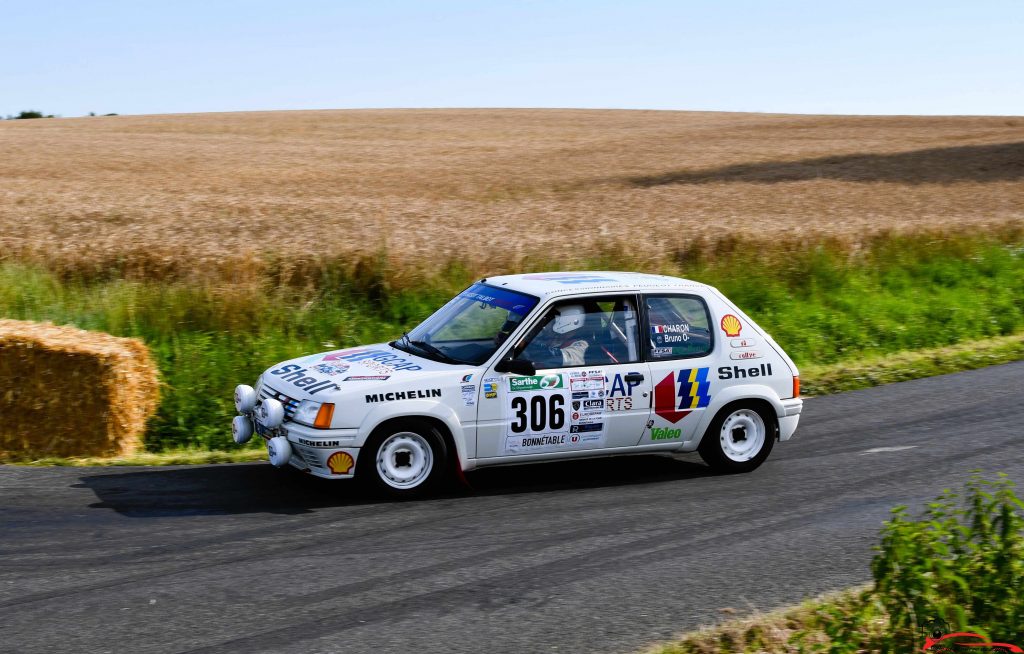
960	563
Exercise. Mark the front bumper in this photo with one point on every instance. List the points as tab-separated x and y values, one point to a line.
327	453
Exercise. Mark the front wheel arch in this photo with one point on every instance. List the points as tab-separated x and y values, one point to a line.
432	428
440	425
438	415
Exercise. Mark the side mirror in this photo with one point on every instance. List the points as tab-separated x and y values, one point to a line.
516	367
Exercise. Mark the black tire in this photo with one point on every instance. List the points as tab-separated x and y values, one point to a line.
733	448
392	460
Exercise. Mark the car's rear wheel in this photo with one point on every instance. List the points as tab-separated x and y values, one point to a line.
404	458
740	438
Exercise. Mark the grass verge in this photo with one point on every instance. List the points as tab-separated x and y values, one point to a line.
904	366
826	304
816	380
765	633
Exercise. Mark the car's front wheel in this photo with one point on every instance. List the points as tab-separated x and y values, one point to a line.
740	437
404	458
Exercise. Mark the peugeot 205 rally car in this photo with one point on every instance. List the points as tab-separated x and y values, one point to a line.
535	367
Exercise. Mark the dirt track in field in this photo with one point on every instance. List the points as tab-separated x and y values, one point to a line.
215	195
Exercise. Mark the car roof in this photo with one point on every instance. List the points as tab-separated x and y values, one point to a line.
553	284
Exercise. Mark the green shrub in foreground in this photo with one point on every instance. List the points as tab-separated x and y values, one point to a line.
961	562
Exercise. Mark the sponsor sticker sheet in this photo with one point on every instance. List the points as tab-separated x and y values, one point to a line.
554	413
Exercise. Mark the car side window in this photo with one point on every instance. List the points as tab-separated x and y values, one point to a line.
679	325
584	332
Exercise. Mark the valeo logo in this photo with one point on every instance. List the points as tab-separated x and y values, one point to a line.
535	383
665	434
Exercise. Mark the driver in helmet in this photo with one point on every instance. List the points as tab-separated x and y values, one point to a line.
561	343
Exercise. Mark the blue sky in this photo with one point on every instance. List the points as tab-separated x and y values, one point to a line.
70	58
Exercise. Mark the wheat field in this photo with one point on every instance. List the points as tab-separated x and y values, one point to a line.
224	196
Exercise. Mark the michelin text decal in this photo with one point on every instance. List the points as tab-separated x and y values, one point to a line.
419	394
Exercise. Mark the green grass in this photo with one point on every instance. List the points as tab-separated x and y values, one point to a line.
903	366
824	304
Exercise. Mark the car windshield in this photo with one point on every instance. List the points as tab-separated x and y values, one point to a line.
470	327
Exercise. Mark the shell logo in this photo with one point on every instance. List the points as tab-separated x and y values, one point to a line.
731	325
340	463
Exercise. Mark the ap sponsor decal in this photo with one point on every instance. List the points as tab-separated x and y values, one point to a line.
620	396
681	392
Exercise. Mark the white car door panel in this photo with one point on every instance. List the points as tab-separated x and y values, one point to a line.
603	404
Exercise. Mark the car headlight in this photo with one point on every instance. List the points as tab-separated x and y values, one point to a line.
245	399
314	414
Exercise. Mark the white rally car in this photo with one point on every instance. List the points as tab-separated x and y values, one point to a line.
536	367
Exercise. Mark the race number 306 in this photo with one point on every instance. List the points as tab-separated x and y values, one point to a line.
538	413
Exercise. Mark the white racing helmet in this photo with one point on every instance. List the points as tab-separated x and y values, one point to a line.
569	318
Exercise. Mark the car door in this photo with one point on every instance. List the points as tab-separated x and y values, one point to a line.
679	347
591	390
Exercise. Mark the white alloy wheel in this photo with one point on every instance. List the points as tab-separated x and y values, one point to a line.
404	460
742	435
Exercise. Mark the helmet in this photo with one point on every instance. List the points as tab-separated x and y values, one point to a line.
569	318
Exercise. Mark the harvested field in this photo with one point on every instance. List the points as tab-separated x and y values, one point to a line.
224	197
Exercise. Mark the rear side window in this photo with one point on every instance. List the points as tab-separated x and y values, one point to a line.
679	326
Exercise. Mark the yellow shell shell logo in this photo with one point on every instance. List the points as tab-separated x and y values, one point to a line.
340	463
731	325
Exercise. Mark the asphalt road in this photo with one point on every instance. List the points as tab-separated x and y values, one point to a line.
595	556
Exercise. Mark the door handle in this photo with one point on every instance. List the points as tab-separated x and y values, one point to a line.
633	378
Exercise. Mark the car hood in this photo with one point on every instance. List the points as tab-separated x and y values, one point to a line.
328	375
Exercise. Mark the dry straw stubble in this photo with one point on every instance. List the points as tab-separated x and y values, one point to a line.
228	196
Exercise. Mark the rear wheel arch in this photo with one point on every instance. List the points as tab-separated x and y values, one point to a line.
711	448
764	407
740	393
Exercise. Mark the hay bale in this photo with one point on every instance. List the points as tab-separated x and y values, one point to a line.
69	392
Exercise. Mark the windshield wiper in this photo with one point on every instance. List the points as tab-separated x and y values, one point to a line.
404	341
431	349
